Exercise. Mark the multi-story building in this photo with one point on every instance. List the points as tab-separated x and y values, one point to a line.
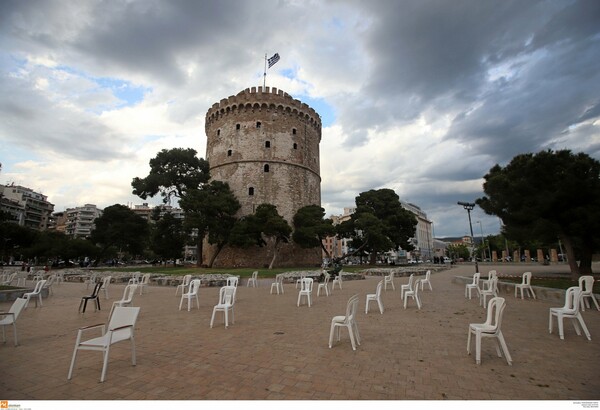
28	208
145	211
80	220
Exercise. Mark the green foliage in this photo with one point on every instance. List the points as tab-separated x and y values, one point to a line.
379	223
172	173
548	195
311	227
458	250
168	237
120	227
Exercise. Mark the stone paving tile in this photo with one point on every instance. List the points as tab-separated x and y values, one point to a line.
278	351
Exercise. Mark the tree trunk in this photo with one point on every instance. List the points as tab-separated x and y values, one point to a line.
585	262
566	240
220	246
275	252
199	252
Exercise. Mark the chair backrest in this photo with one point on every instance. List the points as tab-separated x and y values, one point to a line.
306	285
51	279
327	277
476	277
106	281
572	298
428	275
123	316
128	293
255	275
491	274
378	290
411	281
146	279
279	278
493	284
526	278
232	281
351	308
586	284
38	286
17	307
194	286
227	295
495	311
97	288
186	280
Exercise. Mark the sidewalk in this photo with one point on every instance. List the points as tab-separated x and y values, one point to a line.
276	350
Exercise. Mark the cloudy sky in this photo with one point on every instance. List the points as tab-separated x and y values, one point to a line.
420	96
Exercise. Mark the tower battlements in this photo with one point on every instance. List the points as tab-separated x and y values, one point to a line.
259	99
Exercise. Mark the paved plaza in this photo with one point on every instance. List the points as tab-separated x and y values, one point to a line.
276	350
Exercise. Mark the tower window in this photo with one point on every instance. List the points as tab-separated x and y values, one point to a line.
258	124
218	132
266	168
294	131
267	144
251	191
295	146
229	153
237	126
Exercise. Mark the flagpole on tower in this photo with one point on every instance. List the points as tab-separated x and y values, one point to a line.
265	73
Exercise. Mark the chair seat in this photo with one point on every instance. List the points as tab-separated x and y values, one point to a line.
102	341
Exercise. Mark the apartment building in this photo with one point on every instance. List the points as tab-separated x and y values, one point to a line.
79	221
28	208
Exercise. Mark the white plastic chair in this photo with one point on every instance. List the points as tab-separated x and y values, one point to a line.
485	284
233	281
306	287
388	280
120	328
324	285
144	283
186	282
525	285
491	328
253	280
413	293
569	311
105	283
348	321
8	278
299	281
337	279
586	285
408	286
490	290
192	293
91	280
135	279
36	294
376	297
427	280
278	284
126	300
473	285
10	317
226	302
49	283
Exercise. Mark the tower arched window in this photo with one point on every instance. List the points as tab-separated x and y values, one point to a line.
237	126
267	144
218	132
294	131
229	152
251	191
266	168
258	124
295	146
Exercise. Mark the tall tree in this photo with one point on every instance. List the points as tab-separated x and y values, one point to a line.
311	227
551	194
211	210
175	173
172	173
168	236
379	224
256	229
122	228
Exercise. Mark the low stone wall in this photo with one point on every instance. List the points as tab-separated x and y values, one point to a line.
403	271
12	294
541	292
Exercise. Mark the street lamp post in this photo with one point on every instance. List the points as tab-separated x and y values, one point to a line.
482	241
469	207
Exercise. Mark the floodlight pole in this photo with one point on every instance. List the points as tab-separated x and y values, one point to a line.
469	207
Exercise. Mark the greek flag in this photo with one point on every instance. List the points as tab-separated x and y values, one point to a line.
273	60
